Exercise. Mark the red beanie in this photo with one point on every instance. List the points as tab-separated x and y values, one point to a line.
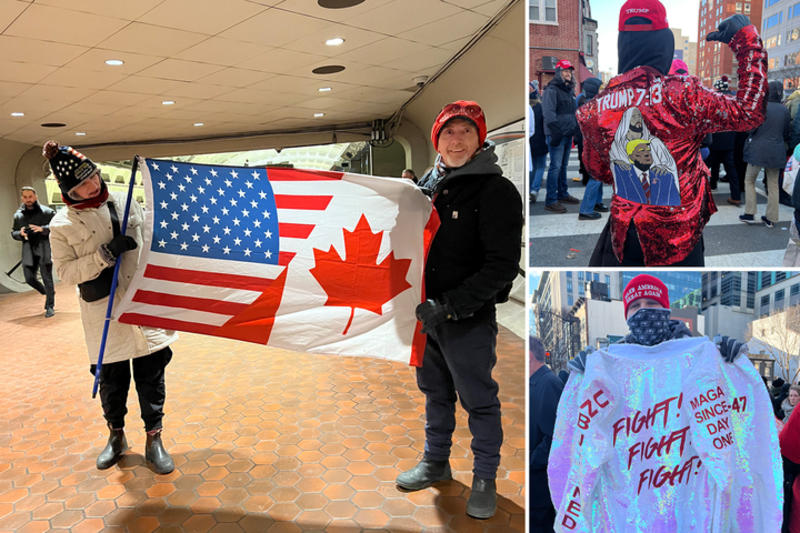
465	109
645	286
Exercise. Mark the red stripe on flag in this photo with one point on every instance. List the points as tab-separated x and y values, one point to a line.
286	174
298	201
198	277
295	231
285	257
168	323
420	339
189	302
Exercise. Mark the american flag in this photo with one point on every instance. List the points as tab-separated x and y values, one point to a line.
205	216
229	251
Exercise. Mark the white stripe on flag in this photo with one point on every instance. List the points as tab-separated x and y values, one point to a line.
180	288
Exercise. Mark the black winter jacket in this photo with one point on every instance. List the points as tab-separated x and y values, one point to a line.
545	392
558	106
765	147
475	254
538	143
37	244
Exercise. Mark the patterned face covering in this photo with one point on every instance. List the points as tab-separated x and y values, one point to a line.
650	325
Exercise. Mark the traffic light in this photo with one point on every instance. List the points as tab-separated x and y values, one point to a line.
547	357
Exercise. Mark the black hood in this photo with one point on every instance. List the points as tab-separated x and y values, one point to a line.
652	48
775	92
590	87
559	82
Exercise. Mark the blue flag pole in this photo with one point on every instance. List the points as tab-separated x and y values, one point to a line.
107	321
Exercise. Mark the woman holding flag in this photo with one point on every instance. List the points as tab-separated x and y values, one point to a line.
86	243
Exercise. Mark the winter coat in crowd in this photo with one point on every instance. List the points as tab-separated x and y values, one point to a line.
558	107
793	103
37	244
75	237
538	141
474	257
766	146
545	392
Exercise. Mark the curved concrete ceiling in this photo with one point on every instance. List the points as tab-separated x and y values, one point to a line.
237	66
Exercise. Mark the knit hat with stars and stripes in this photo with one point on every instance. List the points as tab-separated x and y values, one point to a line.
69	166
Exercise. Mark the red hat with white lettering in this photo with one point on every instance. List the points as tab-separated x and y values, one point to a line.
564	64
645	286
647	15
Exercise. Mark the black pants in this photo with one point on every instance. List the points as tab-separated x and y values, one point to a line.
47	277
459	358
148	373
632	254
724	157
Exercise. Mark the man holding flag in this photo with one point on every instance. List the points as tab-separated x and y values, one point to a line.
471	264
86	243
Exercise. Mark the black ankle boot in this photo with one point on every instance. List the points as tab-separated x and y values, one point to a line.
114	447
483	499
425	474
157	456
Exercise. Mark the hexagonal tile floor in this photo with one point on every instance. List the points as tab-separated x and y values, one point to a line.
263	439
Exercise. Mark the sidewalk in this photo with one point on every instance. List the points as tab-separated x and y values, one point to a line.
263	439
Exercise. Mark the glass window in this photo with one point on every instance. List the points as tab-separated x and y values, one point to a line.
764	305
779	296
543	11
550	11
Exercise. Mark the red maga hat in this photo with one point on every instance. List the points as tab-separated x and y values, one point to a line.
652	10
564	65
645	286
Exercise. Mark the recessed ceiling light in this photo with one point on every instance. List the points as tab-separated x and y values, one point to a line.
168	102
114	62
318	115
328	69
17	114
198	124
325	89
336	41
80	133
338	4
53	125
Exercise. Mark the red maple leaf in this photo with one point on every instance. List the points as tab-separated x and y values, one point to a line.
357	280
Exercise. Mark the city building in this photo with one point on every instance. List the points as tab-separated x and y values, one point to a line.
774	344
685	50
780	33
779	291
715	59
731	300
692	299
555	29
589	42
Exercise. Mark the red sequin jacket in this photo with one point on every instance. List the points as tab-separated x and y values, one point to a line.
674	114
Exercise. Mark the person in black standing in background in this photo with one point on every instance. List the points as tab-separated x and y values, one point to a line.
32	227
722	147
545	392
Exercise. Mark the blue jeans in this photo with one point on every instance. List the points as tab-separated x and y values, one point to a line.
557	172
536	175
592	196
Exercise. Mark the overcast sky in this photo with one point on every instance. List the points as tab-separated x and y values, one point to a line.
681	14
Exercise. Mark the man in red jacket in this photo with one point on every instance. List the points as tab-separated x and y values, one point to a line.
671	114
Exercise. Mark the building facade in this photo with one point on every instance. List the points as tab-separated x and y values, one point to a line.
685	50
715	59
780	32
555	33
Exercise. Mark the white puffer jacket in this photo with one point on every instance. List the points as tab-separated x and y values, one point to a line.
75	239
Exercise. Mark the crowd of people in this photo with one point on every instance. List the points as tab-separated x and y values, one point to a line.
644	154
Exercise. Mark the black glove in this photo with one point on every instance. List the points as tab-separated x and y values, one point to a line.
120	244
433	314
555	140
728	28
578	364
729	348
